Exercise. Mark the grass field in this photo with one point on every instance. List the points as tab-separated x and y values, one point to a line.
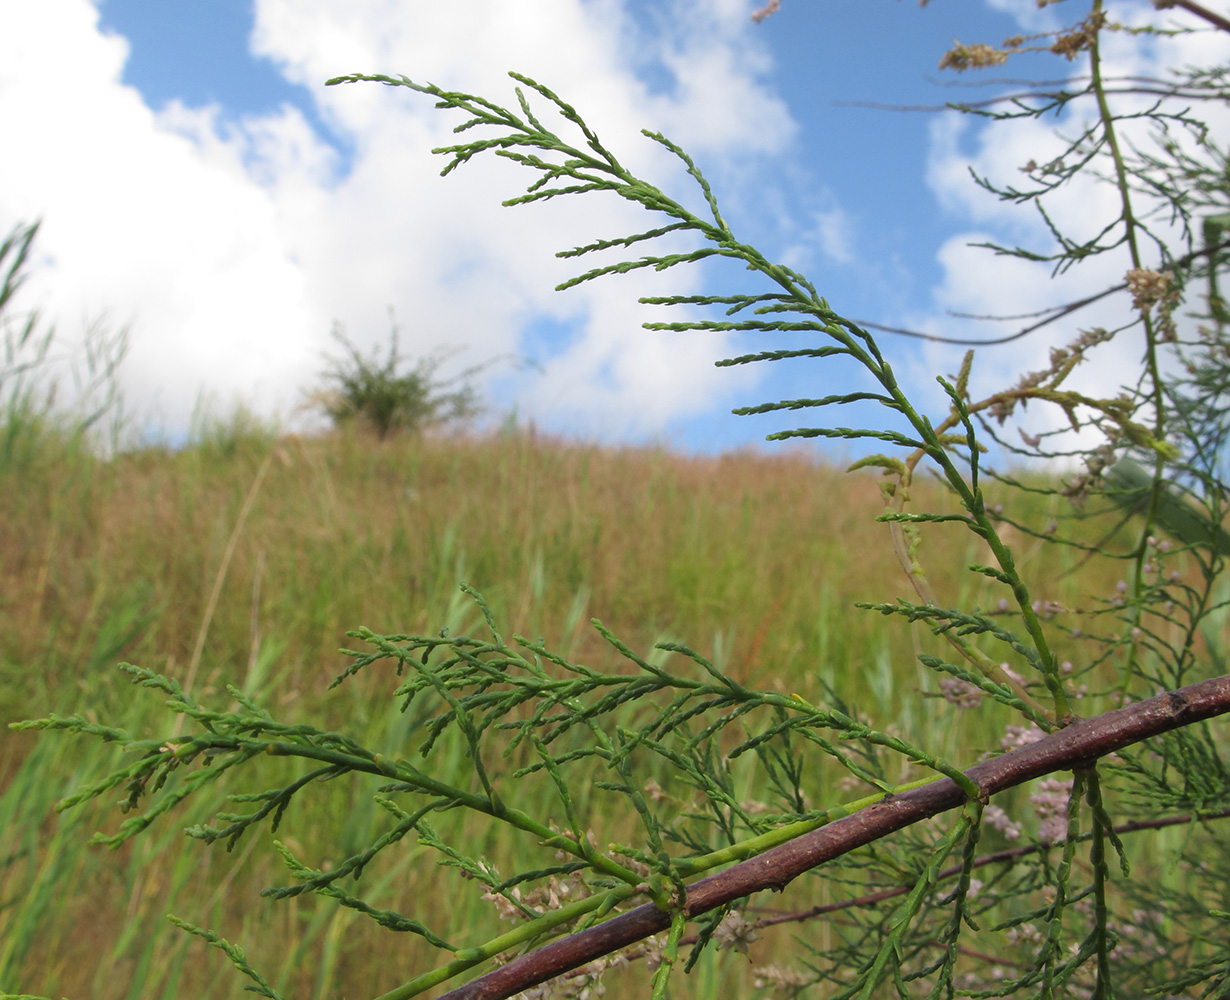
244	558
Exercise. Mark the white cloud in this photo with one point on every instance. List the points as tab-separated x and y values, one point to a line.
1029	15
232	245
148	219
835	235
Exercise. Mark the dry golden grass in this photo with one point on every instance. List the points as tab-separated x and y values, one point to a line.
754	558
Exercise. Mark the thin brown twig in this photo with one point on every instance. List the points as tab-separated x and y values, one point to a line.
1051	315
1058	313
1187	93
1198	9
1188	5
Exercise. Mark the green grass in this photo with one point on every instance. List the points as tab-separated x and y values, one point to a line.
244	558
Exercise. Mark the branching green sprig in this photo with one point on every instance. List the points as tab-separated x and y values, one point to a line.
233	952
964	623
313	880
958	901
889	955
498	679
479	686
595	168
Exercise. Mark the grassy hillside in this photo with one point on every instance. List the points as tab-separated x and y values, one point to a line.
245	558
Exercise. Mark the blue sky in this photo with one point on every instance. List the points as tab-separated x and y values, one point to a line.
200	186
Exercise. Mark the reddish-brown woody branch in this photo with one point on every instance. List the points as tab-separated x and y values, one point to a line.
1080	743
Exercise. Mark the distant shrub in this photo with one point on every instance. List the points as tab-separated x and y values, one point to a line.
372	391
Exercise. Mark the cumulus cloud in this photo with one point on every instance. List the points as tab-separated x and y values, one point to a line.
232	244
148	218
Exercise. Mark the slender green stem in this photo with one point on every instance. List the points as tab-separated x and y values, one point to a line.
404	772
1152	368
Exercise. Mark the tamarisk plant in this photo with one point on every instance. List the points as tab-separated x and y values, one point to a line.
735	790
